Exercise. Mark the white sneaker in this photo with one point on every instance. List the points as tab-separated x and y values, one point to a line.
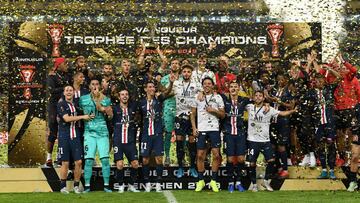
147	187
121	188
352	187
305	161
253	187
312	160
132	188
64	190
77	190
158	187
289	163
4	166
267	186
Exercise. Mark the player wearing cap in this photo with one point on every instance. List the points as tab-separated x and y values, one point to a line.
56	81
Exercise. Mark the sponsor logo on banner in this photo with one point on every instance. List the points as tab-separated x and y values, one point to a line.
27	73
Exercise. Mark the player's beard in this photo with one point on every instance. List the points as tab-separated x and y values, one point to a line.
234	94
108	74
82	68
126	71
259	103
175	70
79	68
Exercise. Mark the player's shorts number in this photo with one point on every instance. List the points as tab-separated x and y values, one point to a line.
116	149
61	151
86	149
251	151
143	145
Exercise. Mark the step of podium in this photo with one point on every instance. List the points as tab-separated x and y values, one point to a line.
47	179
297	172
23	180
313	184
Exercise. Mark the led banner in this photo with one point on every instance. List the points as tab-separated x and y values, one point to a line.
183	39
239	40
235	39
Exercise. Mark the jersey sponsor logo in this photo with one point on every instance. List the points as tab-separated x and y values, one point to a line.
258	118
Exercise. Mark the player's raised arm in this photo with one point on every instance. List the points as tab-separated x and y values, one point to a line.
287	113
168	90
164	61
140	62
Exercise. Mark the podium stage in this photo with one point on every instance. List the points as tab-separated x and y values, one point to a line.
47	179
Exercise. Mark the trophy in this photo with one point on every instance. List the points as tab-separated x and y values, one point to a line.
55	32
149	41
275	31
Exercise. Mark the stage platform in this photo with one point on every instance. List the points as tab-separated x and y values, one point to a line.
47	179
